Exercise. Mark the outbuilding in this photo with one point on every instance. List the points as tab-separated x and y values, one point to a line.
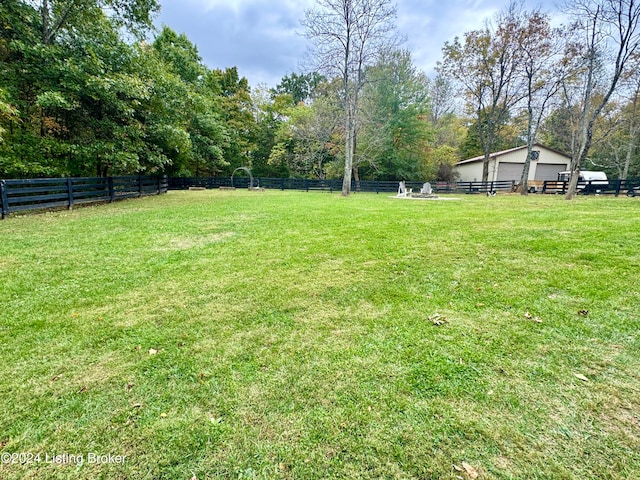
508	165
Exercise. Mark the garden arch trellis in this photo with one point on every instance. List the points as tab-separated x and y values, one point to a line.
246	170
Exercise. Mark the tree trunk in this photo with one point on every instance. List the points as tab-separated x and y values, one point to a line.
485	163
631	145
356	161
45	21
524	180
348	153
356	178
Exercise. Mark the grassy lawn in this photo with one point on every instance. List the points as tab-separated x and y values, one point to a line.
308	336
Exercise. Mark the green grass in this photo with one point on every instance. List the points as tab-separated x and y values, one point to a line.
295	337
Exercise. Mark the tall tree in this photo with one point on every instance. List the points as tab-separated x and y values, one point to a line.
396	131
616	135
608	42
631	120
236	109
73	81
347	36
309	139
486	66
544	68
194	112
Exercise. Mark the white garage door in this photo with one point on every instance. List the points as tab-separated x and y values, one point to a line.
549	171
510	171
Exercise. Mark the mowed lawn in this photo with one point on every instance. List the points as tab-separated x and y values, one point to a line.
218	334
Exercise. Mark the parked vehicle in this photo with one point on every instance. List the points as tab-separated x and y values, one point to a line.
588	181
633	191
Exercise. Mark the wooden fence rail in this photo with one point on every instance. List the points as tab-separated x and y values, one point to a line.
629	187
336	184
42	193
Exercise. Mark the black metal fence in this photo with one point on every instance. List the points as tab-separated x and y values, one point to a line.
40	193
336	185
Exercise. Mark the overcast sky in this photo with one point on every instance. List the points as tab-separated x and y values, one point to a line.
263	38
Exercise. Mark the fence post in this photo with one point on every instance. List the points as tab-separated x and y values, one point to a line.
618	186
4	201
70	193
112	192
139	185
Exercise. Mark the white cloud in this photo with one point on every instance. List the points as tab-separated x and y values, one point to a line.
263	37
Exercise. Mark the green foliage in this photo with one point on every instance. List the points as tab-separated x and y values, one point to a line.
300	87
558	130
179	54
235	110
439	163
307	142
506	136
7	111
395	129
80	100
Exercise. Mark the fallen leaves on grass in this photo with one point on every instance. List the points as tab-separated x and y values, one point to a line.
528	316
583	312
472	472
153	351
438	319
579	376
468	469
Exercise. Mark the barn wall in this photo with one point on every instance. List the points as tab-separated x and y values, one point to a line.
552	163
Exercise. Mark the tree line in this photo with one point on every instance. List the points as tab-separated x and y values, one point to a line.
83	92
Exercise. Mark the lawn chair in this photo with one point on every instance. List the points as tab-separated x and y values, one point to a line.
402	190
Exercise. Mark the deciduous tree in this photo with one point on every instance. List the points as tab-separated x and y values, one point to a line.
544	68
348	36
395	128
608	43
486	66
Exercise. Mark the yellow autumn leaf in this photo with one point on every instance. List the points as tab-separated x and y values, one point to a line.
472	472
